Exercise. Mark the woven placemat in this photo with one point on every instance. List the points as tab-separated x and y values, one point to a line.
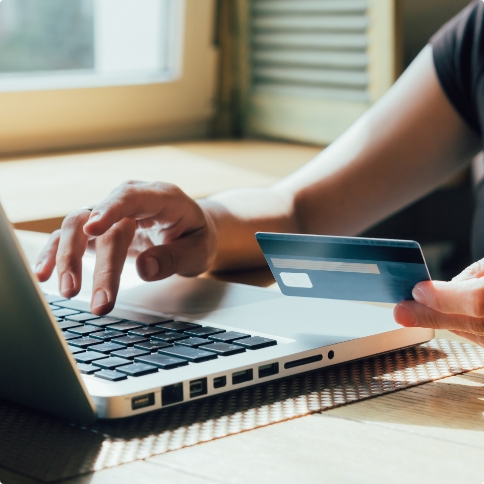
48	449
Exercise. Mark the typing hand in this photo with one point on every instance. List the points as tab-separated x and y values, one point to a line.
457	305
158	223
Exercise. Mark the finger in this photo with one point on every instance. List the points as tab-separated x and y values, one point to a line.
111	251
454	297
188	256
151	202
413	314
46	261
473	271
72	245
475	338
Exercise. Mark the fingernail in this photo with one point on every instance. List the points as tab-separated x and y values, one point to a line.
95	216
67	282
419	295
151	267
100	298
404	316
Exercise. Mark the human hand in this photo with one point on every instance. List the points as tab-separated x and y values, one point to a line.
167	232
457	305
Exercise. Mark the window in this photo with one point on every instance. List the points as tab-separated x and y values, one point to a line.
53	44
86	73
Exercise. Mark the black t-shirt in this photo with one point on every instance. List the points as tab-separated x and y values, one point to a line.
458	49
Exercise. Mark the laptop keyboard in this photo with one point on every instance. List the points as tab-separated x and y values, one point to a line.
141	344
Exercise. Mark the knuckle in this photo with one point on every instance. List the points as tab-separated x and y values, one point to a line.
477	302
74	219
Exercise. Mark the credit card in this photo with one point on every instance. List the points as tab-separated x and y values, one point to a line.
349	268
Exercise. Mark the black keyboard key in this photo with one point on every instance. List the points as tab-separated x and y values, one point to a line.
152	345
129	340
106	347
110	375
228	336
68	324
74	349
191	354
74	304
204	331
67	336
51	298
105	321
82	317
130	353
193	342
107	335
84	330
87	369
168	337
111	362
178	326
161	361
224	349
138	369
58	319
84	342
62	312
124	327
145	319
146	331
255	342
89	356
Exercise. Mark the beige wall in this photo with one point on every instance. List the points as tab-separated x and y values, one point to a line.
421	19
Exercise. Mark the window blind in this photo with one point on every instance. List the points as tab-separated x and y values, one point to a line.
317	65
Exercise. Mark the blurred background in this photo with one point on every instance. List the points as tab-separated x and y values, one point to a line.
261	85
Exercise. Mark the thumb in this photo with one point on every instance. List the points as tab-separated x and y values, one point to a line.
187	256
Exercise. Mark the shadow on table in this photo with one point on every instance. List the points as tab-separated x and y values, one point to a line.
48	449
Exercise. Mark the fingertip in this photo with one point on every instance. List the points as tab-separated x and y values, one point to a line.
404	316
101	302
148	267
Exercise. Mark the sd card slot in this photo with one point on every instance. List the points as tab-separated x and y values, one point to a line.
303	361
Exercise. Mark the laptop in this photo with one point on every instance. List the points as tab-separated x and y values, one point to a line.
169	342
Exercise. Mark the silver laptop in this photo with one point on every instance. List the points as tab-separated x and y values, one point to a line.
169	342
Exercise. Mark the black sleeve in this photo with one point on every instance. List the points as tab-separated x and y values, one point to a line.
458	57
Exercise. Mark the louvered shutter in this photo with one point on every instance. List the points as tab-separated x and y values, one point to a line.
316	65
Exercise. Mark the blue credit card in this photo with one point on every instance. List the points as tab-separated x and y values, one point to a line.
349	268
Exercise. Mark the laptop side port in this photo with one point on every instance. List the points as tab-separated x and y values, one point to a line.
142	401
219	381
198	388
242	376
303	361
268	370
172	394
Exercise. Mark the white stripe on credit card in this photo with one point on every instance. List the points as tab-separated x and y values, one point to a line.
321	265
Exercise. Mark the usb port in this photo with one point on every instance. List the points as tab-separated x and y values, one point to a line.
268	370
143	401
219	381
198	388
242	376
172	394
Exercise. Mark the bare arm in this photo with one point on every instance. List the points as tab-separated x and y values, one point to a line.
407	144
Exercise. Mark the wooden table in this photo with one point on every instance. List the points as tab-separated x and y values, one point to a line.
425	434
433	433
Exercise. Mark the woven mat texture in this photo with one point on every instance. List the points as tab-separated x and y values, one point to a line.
49	450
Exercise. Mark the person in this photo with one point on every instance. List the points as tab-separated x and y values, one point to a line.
422	131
